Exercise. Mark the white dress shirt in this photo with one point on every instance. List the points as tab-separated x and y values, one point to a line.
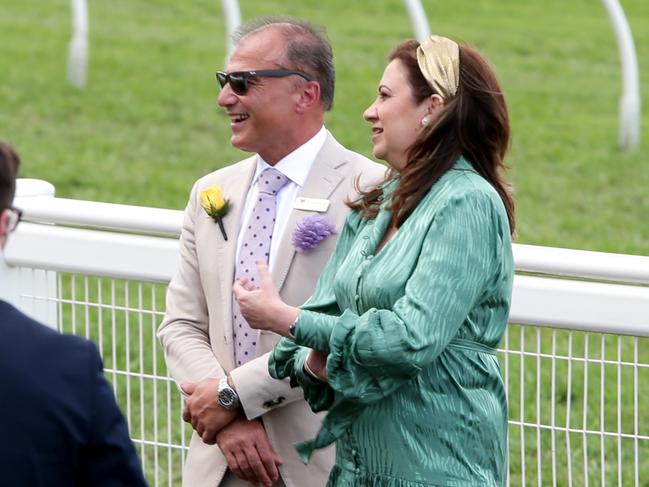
295	166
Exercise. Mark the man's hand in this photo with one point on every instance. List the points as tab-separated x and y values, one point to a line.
203	411
250	456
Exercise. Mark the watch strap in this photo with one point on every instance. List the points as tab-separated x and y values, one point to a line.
293	327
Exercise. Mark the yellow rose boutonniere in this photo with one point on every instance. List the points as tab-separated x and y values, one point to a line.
215	205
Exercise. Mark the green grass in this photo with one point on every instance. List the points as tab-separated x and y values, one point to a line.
147	126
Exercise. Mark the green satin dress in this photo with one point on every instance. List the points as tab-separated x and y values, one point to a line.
415	394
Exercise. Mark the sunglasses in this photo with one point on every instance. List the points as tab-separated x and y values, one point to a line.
15	215
240	80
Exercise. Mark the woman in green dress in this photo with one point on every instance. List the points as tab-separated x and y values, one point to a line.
398	341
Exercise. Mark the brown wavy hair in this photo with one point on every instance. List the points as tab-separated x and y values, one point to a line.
474	123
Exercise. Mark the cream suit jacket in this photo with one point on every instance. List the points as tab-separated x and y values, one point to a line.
196	332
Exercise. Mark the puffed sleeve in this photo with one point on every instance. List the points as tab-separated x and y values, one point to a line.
287	358
373	354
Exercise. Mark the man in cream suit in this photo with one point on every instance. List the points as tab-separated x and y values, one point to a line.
276	88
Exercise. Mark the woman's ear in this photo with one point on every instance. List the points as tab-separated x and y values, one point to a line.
432	105
435	103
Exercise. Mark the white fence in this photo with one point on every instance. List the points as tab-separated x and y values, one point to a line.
576	363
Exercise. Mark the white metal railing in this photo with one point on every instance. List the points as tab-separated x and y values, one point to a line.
232	14
629	137
418	19
78	48
576	361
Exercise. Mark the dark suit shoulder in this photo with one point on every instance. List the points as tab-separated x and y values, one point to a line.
58	414
46	366
28	335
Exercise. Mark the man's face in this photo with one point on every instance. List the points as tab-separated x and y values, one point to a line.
262	120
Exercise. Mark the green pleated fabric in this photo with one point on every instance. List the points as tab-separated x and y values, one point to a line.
415	395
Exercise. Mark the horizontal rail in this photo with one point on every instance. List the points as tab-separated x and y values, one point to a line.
139	219
578	305
44	241
581	263
93	252
541	301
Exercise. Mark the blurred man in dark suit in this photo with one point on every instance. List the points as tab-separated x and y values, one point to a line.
59	422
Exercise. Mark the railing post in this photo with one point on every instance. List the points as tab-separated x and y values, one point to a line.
232	15
33	291
629	138
418	19
78	48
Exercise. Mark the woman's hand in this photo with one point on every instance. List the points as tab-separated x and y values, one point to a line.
316	365
262	307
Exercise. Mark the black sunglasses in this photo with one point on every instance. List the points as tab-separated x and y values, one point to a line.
239	79
15	215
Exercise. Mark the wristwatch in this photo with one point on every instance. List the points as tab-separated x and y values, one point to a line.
291	329
228	397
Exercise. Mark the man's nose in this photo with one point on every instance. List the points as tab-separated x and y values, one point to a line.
226	96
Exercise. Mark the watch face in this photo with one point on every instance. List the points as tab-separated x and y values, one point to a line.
227	397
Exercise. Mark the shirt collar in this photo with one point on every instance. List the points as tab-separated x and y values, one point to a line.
297	164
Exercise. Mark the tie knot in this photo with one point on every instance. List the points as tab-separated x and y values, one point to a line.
271	181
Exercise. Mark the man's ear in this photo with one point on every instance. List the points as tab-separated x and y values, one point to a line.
309	96
4	227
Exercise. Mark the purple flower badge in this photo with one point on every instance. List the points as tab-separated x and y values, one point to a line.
311	231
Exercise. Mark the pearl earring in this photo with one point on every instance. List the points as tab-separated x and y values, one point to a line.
425	121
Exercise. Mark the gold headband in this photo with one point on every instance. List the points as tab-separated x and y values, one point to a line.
439	61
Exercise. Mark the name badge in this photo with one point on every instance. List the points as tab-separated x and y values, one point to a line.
311	204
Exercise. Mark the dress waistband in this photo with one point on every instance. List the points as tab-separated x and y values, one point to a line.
472	345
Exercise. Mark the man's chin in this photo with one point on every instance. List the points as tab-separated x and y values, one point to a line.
240	144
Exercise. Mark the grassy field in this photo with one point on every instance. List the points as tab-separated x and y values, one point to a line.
147	126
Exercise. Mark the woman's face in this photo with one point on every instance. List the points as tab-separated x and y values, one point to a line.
395	116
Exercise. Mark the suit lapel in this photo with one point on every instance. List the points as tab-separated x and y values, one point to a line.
235	188
321	182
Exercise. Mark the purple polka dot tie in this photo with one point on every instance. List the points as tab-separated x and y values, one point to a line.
255	246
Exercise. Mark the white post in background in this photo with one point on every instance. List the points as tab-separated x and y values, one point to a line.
630	100
78	50
33	291
418	19
232	21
